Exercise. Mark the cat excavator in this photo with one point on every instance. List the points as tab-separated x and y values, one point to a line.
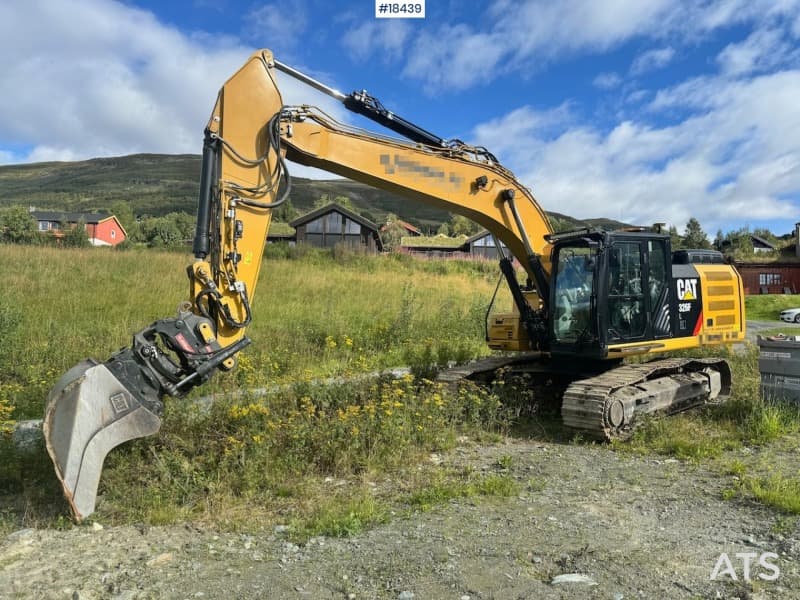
589	299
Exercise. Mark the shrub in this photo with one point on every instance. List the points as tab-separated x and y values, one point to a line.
18	226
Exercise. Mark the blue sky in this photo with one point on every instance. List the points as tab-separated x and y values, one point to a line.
641	111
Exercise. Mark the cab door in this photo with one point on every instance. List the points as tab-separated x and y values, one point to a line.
626	308
659	275
637	307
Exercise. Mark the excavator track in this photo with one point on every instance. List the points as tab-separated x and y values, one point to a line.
609	406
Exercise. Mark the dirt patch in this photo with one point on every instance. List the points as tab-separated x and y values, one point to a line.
631	527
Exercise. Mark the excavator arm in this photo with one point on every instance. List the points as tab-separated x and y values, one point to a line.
97	406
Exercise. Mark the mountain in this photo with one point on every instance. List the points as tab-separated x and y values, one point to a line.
562	222
153	184
157	184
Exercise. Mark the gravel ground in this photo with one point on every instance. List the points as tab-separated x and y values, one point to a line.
754	328
621	526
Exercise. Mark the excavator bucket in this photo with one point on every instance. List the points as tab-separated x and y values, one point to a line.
89	412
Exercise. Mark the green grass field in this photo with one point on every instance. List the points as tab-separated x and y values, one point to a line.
769	307
314	317
256	460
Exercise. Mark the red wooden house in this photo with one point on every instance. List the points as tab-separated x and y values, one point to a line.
101	229
770	277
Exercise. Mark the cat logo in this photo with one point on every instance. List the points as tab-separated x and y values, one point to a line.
687	289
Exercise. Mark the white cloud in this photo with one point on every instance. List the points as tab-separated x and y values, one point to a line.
692	93
378	39
636	96
607	81
720	13
735	161
528	34
532	129
45	153
763	50
277	26
119	82
455	57
548	29
115	82
652	60
7	158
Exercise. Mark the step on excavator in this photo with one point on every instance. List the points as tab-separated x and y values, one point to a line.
590	298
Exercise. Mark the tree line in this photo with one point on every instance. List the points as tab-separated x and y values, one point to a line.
176	229
173	230
17	226
737	243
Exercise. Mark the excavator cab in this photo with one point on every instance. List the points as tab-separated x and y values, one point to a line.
609	289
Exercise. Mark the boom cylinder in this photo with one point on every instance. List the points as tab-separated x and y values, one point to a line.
535	263
201	246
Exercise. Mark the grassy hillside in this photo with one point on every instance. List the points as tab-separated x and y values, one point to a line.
153	184
157	184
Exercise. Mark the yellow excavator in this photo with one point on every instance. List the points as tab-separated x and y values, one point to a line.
591	299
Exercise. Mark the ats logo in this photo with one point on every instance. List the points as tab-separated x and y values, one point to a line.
687	289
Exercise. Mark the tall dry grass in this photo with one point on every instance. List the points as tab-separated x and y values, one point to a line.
316	315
